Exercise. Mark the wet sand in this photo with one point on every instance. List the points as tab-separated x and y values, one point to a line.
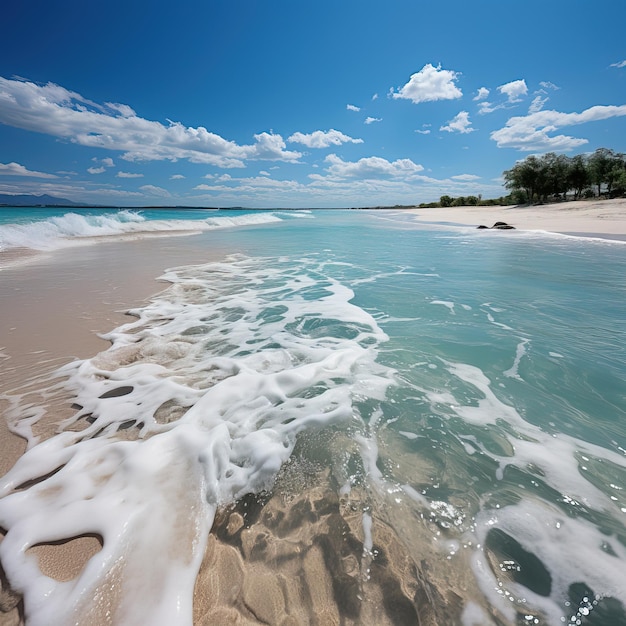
53	308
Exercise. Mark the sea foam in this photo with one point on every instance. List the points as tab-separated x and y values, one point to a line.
72	228
197	402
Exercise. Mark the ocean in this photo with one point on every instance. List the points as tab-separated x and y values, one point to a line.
436	414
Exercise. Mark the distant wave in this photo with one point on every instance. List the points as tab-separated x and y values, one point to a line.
71	228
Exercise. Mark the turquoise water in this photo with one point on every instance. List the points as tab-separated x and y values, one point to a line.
479	374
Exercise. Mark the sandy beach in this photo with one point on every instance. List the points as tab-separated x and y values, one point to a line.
600	218
287	553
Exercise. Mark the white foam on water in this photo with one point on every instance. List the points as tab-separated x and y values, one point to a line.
556	455
489	408
473	615
78	229
573	550
368	542
449	305
216	378
513	371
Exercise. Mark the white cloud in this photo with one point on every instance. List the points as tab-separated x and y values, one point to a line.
619	64
372	168
15	169
537	104
107	162
430	84
482	93
123	109
153	190
466	177
263	173
533	131
352	107
423	132
252	185
371	120
548	85
322	139
55	111
375	97
128	175
176	177
488	107
97	170
459	124
514	90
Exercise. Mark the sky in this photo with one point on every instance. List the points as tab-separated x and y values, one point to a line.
287	103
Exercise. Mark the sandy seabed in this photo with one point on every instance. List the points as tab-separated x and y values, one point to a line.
295	556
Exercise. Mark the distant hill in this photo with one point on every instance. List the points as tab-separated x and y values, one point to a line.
32	200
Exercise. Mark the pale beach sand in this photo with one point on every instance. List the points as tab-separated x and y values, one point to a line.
53	309
293	556
601	218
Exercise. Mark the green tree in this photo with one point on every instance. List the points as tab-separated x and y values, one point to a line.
614	173
600	163
555	169
620	183
578	176
446	201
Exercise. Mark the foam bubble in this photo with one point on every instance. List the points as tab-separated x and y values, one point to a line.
571	549
197	402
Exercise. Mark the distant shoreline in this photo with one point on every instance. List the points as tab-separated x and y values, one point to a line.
592	218
599	218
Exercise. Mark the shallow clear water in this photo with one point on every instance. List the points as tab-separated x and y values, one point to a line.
479	374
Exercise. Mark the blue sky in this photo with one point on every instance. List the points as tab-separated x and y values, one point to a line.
286	103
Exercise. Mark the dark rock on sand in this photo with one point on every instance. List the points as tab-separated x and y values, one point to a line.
497	226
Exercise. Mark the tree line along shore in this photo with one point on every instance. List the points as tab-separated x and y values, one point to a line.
551	177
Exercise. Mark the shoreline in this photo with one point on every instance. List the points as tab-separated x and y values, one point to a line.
55	308
605	219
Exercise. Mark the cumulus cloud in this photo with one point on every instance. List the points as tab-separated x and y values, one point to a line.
53	110
430	84
514	90
488	107
548	85
619	64
371	168
128	175
322	139
15	169
537	104
533	132
459	124
466	177
153	190
423	132
371	120
251	185
482	93
176	177
97	170
352	107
